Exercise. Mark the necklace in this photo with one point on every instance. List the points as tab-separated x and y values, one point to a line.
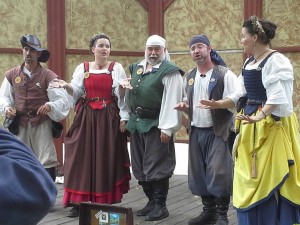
256	59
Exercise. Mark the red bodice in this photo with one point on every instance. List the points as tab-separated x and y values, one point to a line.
98	87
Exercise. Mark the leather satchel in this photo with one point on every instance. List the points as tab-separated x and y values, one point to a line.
12	125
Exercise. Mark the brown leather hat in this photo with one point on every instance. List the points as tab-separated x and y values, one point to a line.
33	42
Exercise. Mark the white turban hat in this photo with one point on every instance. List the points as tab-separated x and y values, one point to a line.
156	40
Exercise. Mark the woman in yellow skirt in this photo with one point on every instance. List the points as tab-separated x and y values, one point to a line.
266	189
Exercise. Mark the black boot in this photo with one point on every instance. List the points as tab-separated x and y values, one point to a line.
52	172
160	193
208	215
74	212
147	187
222	209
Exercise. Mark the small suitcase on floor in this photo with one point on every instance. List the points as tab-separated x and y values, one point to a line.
101	214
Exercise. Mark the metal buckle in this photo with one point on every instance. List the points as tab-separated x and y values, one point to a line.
96	99
139	111
276	118
29	113
103	103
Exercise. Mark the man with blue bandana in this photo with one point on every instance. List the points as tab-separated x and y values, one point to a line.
210	89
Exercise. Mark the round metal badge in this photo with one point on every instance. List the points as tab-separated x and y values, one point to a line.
139	71
191	81
18	79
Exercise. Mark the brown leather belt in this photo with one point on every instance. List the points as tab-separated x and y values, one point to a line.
96	99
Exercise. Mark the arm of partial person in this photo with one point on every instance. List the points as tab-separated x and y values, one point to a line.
59	103
183	104
6	99
121	80
170	118
232	92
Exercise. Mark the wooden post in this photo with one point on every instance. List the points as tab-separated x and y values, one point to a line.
56	45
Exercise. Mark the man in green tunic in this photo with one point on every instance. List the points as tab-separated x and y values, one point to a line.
156	87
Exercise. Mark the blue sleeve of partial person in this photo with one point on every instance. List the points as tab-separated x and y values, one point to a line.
27	192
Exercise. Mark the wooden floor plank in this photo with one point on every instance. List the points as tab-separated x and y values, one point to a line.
182	205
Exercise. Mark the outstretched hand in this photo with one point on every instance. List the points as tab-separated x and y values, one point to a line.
208	104
125	83
248	119
57	83
182	106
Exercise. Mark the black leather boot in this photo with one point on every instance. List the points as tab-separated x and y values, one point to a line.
208	215
74	212
147	187
160	193
222	209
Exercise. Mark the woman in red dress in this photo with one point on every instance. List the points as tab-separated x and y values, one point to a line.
96	167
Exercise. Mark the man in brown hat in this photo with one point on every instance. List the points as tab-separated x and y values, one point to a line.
27	100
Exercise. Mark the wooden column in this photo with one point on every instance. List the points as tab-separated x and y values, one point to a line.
57	46
253	7
155	17
155	9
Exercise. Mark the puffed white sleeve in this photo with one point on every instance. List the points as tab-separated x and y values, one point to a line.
170	118
77	83
184	94
232	87
6	96
59	103
277	78
119	74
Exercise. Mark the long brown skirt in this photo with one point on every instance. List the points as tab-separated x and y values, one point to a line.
96	167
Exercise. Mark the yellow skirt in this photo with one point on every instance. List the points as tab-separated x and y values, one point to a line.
267	159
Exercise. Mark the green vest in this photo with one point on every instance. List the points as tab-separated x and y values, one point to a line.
147	93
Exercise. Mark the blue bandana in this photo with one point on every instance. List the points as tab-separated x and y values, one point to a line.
199	39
